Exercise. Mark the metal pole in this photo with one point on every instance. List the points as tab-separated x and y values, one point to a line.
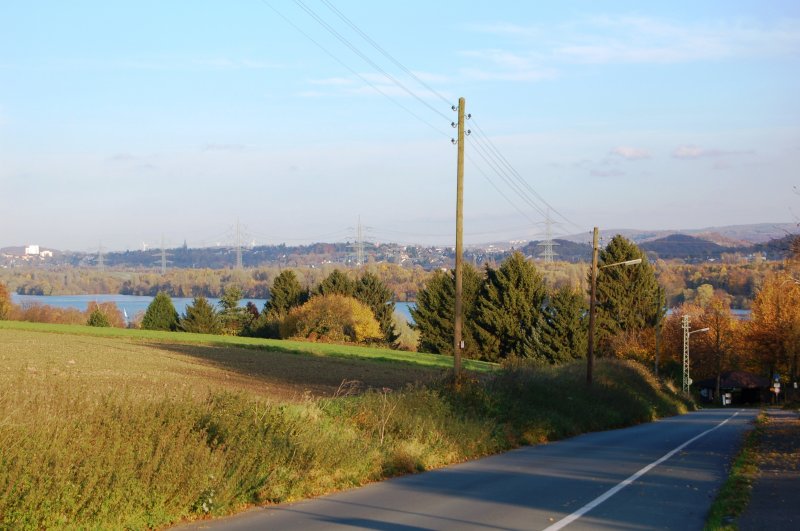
592	298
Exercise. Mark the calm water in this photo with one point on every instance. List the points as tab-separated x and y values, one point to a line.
133	304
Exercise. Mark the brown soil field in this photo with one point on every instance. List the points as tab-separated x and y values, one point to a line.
144	366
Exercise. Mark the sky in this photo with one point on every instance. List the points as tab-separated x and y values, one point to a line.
124	124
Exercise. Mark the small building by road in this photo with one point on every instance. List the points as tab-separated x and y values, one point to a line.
744	387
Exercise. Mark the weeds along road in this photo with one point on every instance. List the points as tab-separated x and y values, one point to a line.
661	475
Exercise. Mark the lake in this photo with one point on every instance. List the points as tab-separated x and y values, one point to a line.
133	304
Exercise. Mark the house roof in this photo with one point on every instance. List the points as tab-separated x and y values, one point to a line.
738	379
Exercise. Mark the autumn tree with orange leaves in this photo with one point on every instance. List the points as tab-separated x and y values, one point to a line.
713	352
773	333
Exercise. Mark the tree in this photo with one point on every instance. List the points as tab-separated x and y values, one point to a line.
113	316
160	314
509	310
773	331
722	334
433	314
373	292
333	318
628	301
98	318
285	294
200	318
232	316
5	303
565	326
336	282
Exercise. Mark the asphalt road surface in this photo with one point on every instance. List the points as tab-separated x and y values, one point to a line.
661	475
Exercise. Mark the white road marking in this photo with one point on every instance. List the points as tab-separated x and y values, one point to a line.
610	492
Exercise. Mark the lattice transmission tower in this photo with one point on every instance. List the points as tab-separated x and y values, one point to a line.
548	254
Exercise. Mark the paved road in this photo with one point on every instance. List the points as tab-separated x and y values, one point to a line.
645	477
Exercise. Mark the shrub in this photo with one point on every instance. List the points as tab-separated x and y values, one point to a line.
5	302
98	318
332	318
110	311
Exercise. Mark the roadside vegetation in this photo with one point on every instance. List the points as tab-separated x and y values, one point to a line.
116	433
734	495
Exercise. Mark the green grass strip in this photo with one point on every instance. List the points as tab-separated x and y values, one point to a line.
735	493
279	345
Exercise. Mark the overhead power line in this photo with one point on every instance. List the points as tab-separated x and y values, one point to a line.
504	161
386	54
354	72
366	58
486	150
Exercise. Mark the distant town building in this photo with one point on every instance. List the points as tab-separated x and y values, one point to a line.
32	250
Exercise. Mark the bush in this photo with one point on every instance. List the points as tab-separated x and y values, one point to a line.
110	311
332	318
98	318
5	302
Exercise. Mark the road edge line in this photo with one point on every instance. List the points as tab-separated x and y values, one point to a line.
618	487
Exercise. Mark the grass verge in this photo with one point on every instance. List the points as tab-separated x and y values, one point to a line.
735	492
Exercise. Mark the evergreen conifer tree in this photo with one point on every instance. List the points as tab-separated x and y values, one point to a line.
565	329
433	313
373	292
509	310
98	318
285	294
336	282
628	297
232	316
160	314
200	318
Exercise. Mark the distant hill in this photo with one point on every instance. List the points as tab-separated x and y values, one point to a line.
730	236
564	250
683	246
778	247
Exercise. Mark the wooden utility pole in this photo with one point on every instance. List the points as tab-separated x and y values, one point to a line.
592	298
458	319
659	307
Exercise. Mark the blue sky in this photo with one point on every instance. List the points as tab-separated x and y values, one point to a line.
121	122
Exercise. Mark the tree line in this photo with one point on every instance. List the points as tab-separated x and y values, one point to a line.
510	312
682	283
339	309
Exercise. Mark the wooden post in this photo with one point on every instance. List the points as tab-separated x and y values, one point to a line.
592	297
458	316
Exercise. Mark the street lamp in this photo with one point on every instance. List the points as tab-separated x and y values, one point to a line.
592	299
686	333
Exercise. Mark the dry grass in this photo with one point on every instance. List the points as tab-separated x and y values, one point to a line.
128	433
104	364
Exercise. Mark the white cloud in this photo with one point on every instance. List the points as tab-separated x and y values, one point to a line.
636	39
506	66
630	153
696	152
